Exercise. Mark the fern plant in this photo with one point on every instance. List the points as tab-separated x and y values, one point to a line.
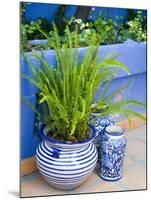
68	90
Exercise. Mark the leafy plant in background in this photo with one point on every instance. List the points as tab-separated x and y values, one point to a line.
25	45
38	29
137	28
108	30
68	90
33	31
85	32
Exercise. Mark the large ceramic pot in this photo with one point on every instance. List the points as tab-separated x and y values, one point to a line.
112	151
66	165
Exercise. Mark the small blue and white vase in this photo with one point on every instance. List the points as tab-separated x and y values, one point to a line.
99	124
112	151
65	165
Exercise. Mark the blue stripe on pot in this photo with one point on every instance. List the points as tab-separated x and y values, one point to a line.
66	154
64	169
64	176
48	160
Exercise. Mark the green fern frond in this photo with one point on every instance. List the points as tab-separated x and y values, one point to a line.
120	108
105	89
111	62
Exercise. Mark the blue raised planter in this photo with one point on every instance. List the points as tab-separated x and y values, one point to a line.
133	55
29	142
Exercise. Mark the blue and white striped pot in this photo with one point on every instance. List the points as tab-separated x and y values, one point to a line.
66	165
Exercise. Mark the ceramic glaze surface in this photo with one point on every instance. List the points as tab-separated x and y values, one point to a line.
66	166
112	151
99	124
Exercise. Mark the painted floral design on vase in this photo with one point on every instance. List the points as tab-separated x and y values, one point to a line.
112	152
66	165
99	124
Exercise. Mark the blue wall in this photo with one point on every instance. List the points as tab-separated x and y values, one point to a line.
133	56
29	141
48	11
42	10
112	13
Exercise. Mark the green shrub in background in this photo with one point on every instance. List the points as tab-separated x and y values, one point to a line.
108	30
137	28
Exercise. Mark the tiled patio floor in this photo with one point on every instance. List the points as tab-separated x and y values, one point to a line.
134	177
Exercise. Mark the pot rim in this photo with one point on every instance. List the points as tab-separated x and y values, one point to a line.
114	133
54	141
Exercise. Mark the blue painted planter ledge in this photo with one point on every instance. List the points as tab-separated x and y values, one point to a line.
133	56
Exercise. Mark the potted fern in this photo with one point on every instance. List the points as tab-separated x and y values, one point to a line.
67	156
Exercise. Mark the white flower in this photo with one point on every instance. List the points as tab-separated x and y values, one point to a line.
78	21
